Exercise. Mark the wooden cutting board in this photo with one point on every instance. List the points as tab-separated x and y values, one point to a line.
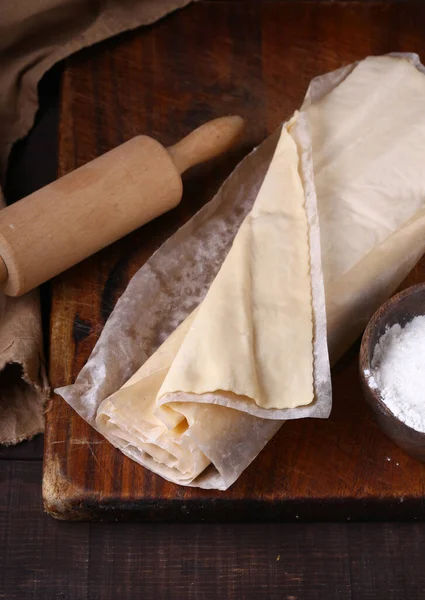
212	59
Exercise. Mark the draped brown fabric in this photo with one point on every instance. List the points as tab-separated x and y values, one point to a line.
34	35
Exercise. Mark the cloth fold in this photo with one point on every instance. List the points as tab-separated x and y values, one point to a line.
34	35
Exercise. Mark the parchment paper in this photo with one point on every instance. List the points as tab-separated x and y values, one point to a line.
174	281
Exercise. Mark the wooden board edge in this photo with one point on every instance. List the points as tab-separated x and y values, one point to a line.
63	501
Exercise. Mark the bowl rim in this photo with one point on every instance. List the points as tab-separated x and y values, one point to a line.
365	358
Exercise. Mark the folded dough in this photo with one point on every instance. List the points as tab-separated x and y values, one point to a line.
368	141
252	337
248	348
200	409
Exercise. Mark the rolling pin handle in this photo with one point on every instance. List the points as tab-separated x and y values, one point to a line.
206	142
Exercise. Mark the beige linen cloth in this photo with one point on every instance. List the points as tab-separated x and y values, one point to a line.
34	35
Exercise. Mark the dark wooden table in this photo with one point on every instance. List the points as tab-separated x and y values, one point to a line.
46	559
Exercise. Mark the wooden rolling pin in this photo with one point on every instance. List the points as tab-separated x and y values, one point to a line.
95	205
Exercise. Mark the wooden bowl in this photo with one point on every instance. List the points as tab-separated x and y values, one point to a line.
401	308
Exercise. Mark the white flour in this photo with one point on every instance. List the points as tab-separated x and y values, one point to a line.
398	371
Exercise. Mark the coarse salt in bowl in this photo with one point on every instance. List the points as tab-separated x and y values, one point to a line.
392	369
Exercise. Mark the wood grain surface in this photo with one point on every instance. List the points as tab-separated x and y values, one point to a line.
45	559
215	58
